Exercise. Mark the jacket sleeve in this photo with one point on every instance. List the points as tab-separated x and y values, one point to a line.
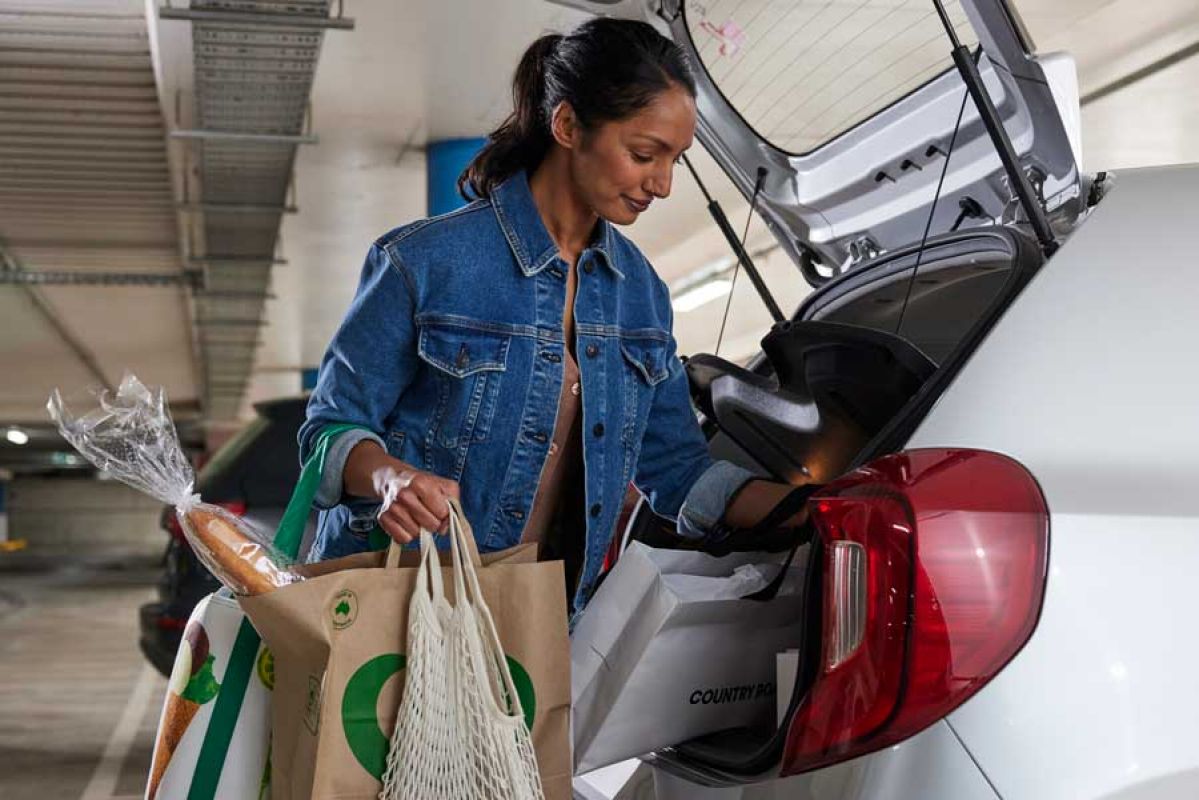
369	363
674	471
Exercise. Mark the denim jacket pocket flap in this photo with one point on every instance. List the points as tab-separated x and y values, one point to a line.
462	351
648	357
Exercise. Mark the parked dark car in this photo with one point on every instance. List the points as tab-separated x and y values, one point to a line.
252	475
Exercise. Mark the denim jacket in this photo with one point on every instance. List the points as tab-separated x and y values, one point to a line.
450	356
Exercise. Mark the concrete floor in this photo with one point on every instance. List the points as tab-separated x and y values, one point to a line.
78	703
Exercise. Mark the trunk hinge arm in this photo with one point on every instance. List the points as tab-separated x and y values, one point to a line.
1019	181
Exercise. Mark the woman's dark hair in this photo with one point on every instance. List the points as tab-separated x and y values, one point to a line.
607	69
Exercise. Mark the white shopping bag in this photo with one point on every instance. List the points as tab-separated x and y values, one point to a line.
668	649
202	669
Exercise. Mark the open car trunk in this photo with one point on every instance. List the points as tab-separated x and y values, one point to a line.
835	387
918	162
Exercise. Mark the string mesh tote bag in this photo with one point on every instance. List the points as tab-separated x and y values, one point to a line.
460	732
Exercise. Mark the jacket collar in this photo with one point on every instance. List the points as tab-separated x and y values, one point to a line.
526	234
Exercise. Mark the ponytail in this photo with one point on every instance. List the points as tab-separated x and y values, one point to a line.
523	139
607	69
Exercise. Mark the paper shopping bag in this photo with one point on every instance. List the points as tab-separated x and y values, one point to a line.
340	640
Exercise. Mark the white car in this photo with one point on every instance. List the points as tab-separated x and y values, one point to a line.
1002	597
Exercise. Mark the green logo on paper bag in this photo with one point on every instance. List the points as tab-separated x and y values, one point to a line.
345	609
266	668
360	707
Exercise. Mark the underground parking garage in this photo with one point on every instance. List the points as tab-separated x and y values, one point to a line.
587	400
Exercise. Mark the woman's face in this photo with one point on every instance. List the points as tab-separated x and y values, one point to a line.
620	167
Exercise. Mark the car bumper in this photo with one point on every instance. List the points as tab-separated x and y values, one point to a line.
933	765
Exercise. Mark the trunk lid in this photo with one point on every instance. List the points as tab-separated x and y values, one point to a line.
852	106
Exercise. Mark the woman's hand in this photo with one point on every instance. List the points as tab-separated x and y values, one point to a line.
751	515
418	500
412	499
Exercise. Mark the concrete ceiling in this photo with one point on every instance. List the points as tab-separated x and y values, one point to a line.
85	187
412	71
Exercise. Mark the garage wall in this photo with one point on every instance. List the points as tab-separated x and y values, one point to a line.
86	517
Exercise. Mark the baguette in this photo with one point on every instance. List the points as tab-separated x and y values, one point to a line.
237	560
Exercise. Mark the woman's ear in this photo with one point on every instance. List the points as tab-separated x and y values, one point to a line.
564	125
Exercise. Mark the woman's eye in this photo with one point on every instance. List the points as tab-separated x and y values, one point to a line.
642	159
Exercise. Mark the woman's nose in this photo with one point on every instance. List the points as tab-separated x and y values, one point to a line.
659	183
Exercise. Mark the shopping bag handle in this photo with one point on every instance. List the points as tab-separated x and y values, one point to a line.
394	549
466	584
290	533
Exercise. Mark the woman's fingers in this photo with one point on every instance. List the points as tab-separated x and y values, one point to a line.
426	501
449	488
398	524
419	500
419	503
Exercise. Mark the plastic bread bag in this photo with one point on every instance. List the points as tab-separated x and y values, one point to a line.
131	437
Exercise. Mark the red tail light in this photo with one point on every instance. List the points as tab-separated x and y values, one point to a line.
934	571
171	623
170	522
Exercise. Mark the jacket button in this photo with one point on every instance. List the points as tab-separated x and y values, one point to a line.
595	510
598	430
592	350
589	267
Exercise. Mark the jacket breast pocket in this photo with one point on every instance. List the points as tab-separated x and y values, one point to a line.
645	367
468	366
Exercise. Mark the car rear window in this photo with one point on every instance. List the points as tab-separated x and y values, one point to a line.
800	73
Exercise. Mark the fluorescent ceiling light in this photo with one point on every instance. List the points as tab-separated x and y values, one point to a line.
17	436
700	295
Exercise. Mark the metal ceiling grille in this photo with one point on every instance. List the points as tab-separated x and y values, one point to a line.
802	72
252	83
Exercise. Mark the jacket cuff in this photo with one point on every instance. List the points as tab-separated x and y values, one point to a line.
708	497
330	493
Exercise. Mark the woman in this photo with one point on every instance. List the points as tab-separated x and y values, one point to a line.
517	353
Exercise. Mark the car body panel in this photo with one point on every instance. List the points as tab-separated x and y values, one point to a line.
1088	379
1090	382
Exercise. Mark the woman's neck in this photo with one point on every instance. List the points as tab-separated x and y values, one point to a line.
569	222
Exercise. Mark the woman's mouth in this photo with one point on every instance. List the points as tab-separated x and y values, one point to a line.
635	205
